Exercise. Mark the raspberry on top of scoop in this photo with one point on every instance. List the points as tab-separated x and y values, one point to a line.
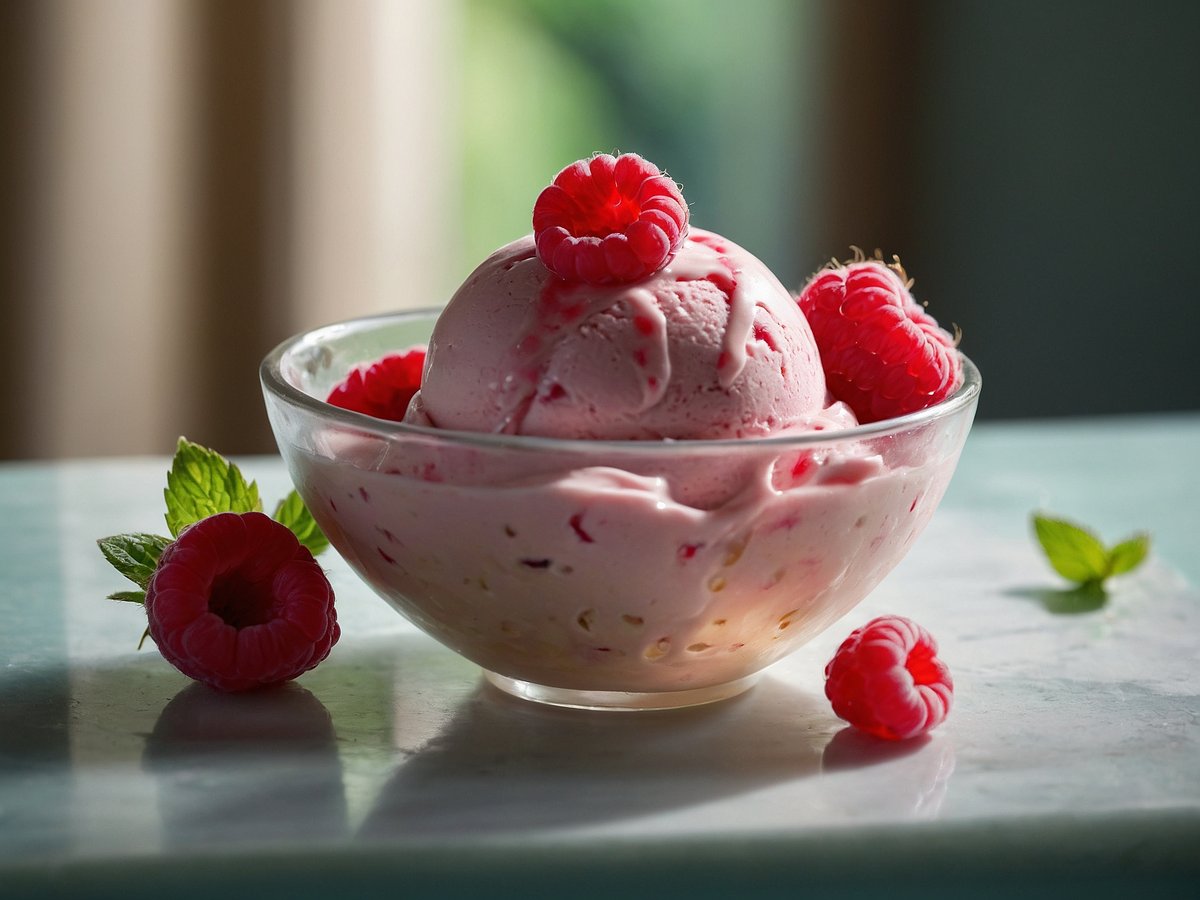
609	220
883	354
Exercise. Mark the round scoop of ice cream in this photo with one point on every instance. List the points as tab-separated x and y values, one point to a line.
709	346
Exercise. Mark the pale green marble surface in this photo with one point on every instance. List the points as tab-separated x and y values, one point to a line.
1071	760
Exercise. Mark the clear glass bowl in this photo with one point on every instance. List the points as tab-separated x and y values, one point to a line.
605	574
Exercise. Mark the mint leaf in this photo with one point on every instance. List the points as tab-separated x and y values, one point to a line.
129	596
134	555
1128	555
202	483
292	512
1078	554
1075	553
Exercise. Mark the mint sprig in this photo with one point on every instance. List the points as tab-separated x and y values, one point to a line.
135	556
128	597
200	483
1077	553
292	512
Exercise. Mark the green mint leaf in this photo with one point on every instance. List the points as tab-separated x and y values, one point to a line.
134	555
202	483
292	512
1128	555
129	596
1075	553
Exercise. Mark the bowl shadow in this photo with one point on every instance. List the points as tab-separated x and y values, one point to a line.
503	764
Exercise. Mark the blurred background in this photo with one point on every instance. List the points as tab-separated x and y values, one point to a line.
185	183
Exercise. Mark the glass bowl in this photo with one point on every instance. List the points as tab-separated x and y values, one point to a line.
605	574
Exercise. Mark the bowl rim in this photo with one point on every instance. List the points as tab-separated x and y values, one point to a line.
272	380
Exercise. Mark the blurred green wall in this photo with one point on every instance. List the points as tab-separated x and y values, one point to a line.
1039	179
711	91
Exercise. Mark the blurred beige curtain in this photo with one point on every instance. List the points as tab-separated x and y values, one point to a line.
187	183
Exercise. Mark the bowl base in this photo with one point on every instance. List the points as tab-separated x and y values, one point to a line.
619	700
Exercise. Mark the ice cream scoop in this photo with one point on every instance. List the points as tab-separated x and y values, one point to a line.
709	346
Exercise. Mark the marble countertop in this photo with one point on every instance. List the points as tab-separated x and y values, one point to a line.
1071	759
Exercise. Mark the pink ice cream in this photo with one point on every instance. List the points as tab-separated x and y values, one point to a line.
670	562
587	576
711	346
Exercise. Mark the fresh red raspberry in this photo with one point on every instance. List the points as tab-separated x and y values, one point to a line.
237	602
609	220
886	679
383	388
883	354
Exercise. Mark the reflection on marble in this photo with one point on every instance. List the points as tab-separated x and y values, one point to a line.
235	768
506	764
919	769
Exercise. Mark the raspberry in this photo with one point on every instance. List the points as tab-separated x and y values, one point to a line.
238	603
383	388
609	220
886	680
883	355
